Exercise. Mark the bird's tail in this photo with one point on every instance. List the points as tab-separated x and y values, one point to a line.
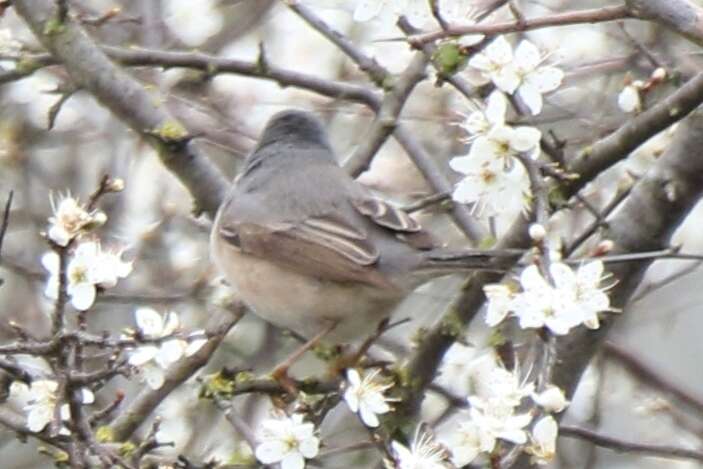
492	260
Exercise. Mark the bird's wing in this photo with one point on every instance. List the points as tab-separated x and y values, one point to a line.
327	248
396	220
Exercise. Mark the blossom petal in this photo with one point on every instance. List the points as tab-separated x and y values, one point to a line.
525	138
463	164
172	323
531	96
506	78
83	296
50	261
527	56
496	107
170	352
39	417
149	322
309	447
59	235
630	100
546	79
368	417
270	452
143	355
293	460
499	51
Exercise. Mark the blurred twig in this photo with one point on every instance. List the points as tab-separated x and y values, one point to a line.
5	222
623	446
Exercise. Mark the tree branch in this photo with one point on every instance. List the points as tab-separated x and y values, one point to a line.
91	70
144	404
657	205
682	16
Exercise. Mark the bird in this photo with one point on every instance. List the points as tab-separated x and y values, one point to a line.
310	249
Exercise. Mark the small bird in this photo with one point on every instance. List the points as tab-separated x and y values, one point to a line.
310	249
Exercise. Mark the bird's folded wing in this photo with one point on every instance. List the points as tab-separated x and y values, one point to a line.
323	248
399	222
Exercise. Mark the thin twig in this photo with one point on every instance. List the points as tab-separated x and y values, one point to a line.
619	445
595	15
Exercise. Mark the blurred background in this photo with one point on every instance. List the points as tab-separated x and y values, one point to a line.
152	217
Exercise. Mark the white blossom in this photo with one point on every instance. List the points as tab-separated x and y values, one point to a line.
481	121
535	79
288	440
88	267
40	402
585	297
542	305
465	443
70	219
487	183
537	232
424	453
501	387
153	359
630	98
495	420
543	440
519	72
365	396
495	64
575	298
500	298
551	399
504	143
40	410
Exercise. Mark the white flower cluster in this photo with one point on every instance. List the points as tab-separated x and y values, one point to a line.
71	220
40	399
493	179
494	416
520	72
167	346
89	266
565	301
